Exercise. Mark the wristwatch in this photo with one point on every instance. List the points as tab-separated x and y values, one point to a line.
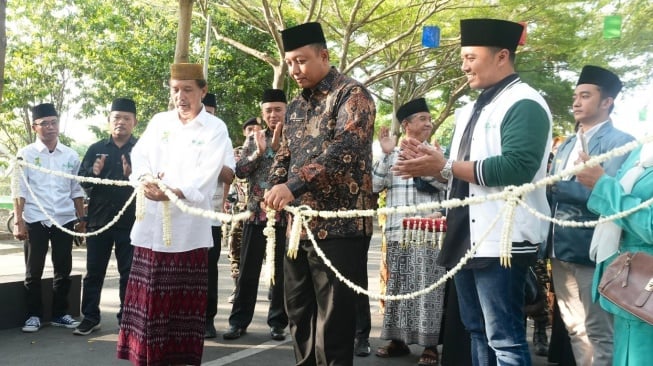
446	171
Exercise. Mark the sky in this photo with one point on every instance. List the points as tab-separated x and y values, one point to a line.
629	105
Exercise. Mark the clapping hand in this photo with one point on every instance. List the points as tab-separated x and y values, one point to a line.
387	141
276	136
98	165
261	144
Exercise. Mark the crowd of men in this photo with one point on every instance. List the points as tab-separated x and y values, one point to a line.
316	150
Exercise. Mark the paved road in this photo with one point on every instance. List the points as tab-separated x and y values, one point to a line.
56	346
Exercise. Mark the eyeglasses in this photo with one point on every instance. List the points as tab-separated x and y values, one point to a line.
52	123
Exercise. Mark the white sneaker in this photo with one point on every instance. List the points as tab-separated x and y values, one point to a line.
33	324
65	321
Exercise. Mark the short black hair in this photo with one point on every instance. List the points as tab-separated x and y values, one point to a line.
512	55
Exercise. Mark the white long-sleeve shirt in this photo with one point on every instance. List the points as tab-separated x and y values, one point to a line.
189	157
218	197
54	193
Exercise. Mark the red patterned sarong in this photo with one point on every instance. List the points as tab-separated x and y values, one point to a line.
164	308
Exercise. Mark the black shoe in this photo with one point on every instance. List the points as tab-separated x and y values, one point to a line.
209	330
362	348
233	332
541	349
540	341
278	333
86	327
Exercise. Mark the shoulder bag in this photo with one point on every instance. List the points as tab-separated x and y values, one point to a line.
628	283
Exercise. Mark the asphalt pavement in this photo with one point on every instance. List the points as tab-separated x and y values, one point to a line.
57	346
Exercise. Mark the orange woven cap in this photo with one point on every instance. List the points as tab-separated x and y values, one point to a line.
186	71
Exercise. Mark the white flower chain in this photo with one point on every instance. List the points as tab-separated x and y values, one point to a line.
196	211
167	224
296	227
470	253
124	183
270	235
140	202
138	194
505	250
64	229
510	194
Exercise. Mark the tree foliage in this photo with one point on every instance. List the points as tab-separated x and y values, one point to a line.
90	51
378	42
3	43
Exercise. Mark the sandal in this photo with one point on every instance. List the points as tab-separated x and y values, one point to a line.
429	357
393	349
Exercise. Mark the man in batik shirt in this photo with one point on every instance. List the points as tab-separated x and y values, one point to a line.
254	165
324	162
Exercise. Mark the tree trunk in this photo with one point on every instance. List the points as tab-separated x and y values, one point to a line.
279	75
3	44
183	31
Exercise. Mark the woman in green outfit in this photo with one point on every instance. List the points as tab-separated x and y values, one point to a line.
633	338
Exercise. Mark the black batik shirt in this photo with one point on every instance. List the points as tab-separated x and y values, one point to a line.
325	157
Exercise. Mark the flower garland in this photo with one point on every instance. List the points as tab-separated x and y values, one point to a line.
138	195
505	249
591	223
140	203
196	211
71	232
448	275
298	220
167	224
270	235
511	195
20	162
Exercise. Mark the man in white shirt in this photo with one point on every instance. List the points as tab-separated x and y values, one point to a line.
165	303
44	204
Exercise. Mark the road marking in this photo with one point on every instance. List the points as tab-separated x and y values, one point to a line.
233	357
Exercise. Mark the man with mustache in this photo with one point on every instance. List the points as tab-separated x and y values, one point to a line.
108	159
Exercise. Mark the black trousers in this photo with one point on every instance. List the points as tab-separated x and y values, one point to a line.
214	256
252	252
98	254
363	316
455	339
322	323
36	248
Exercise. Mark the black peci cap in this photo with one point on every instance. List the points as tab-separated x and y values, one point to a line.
412	107
251	121
209	100
606	79
123	105
44	110
273	95
302	35
490	33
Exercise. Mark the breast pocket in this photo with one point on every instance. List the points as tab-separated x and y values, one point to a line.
63	184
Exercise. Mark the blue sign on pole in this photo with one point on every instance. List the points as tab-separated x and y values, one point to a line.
431	36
